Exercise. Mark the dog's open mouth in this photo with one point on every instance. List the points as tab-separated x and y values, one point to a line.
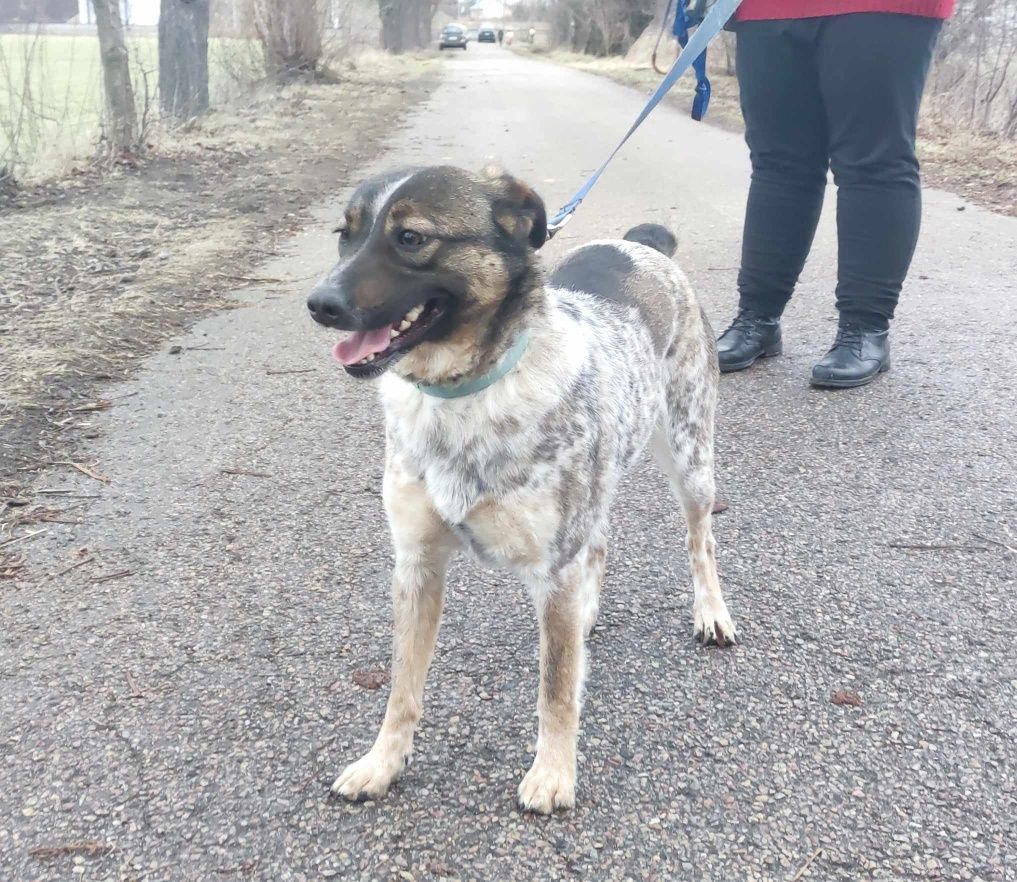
368	353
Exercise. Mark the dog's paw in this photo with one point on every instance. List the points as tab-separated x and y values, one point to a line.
369	777
546	788
713	623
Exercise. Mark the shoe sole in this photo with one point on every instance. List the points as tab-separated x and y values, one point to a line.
742	365
848	384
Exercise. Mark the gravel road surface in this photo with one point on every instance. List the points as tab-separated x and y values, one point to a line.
174	708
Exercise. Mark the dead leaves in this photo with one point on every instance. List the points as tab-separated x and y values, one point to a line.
10	565
846	697
92	848
371	680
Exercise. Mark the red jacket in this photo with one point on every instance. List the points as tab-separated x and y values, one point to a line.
755	10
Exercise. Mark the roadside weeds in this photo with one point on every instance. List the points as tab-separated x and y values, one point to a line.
98	269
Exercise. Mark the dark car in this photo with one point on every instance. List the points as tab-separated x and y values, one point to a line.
486	35
452	37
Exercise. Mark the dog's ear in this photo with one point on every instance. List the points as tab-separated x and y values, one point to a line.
517	209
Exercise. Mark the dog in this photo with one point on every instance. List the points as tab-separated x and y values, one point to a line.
514	403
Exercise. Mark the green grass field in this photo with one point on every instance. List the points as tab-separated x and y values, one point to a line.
51	92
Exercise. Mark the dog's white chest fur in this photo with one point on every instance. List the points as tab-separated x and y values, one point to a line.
517	470
491	465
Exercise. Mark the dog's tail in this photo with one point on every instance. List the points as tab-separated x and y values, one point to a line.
655	236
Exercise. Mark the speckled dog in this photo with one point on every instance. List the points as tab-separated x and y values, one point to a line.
513	406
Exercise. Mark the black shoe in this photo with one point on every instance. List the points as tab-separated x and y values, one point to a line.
859	353
751	336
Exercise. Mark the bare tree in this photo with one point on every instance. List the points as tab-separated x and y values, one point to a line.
973	84
183	57
122	129
292	35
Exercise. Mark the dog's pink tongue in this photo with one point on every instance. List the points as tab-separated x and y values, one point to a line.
358	346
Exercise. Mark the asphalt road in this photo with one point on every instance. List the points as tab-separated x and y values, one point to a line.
192	713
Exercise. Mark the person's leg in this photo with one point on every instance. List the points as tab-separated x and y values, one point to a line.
872	69
785	127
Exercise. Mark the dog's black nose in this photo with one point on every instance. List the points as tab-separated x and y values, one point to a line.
326	306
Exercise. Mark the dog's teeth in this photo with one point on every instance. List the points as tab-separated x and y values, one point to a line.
404	325
413	314
393	333
370	357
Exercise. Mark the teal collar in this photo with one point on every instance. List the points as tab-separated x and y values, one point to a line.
460	390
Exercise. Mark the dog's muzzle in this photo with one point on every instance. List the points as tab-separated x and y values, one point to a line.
327	308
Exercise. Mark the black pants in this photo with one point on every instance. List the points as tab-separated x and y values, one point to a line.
840	92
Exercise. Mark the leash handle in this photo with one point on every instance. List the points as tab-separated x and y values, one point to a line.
712	25
684	19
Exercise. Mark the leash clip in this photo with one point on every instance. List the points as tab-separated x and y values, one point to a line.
558	222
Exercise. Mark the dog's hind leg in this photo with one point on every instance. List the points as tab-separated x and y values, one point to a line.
423	546
551	781
683	448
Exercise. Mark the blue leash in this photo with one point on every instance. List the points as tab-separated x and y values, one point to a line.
682	22
695	47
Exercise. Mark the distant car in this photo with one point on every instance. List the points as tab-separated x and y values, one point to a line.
486	35
452	37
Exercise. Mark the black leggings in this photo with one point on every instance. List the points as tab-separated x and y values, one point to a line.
840	92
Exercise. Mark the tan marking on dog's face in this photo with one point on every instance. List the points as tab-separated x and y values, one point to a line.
485	270
409	215
460	351
354	219
463	261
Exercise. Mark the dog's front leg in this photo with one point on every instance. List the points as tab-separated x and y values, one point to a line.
423	545
551	782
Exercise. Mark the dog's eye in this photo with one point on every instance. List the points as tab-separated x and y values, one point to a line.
410	238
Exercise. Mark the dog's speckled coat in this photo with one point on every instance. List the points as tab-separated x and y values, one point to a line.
523	473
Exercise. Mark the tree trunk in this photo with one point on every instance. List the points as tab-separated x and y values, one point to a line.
122	115
391	26
292	35
405	24
183	58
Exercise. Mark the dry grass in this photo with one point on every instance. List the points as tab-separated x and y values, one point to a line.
979	167
99	267
51	99
51	93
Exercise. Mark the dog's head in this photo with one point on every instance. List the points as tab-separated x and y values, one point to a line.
435	266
